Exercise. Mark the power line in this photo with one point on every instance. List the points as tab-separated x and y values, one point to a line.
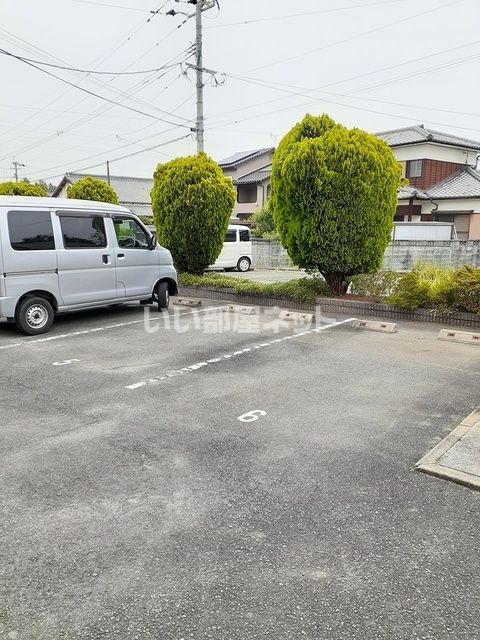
124	157
106	152
113	6
88	71
84	119
342	81
179	106
446	65
97	95
99	111
24	44
277	87
124	94
329	101
102	59
304	14
356	36
135	153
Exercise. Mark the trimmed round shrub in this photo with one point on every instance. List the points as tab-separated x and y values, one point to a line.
22	189
192	204
92	189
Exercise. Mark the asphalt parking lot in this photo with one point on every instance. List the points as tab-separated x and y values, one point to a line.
141	498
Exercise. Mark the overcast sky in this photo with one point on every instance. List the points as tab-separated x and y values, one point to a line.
368	63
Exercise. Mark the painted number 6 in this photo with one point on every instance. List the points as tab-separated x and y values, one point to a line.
252	416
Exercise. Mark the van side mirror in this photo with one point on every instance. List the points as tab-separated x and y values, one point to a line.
152	241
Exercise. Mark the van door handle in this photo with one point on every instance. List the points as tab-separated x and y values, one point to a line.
121	256
106	258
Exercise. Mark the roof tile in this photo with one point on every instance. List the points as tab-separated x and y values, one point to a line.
418	133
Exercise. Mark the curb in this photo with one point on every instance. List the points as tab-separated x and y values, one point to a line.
431	465
332	306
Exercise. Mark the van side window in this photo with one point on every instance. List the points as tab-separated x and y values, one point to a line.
83	232
30	230
130	235
244	235
231	235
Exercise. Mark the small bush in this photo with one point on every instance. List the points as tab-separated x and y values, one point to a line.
466	290
375	285
302	289
425	286
262	223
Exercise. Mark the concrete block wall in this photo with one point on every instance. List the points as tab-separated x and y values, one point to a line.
401	255
269	254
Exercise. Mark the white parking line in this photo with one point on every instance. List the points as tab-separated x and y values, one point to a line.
105	328
228	356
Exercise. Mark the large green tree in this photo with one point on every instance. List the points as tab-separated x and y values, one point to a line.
334	198
21	189
192	203
92	189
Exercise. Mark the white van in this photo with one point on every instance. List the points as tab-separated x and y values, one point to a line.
237	249
61	255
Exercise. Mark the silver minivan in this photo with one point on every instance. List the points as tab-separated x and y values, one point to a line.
60	255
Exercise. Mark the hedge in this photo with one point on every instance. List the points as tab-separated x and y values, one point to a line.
302	289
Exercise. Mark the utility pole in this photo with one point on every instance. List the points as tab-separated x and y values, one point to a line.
200	7
108	171
15	167
199	65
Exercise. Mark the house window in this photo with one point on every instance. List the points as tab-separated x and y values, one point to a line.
247	193
461	222
415	169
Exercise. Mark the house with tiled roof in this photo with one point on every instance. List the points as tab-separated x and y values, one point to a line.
250	173
444	185
133	193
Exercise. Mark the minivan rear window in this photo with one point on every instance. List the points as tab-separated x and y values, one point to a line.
30	230
83	232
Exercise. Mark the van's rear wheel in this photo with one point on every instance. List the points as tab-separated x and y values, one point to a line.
163	296
244	264
34	316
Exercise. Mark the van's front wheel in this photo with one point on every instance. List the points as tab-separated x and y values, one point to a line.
163	296
34	316
244	264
